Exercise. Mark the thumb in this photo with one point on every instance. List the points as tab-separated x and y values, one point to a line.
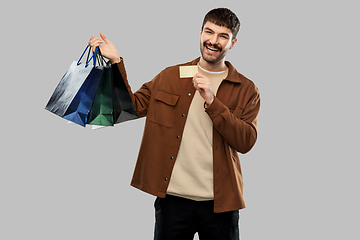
106	40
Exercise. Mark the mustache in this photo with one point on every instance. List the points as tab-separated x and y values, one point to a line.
216	46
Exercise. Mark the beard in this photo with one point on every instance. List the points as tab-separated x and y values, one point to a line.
217	55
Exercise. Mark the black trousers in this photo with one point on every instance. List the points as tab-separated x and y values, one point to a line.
179	219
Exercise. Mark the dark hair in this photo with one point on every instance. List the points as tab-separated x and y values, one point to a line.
223	17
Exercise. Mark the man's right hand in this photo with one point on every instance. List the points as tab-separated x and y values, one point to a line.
108	49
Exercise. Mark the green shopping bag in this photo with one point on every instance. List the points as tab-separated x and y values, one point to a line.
102	110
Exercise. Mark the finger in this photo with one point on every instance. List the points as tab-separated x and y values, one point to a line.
196	79
199	86
103	36
195	84
202	87
95	44
199	75
96	40
93	39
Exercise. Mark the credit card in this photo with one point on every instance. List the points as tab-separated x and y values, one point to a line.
188	71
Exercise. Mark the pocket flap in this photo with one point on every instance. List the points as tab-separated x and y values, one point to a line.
167	98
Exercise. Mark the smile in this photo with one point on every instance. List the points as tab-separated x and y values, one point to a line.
212	49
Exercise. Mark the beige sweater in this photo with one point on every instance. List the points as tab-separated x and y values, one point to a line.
192	176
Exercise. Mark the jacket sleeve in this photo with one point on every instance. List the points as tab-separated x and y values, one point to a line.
141	97
238	128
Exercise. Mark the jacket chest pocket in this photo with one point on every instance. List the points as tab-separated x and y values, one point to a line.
163	109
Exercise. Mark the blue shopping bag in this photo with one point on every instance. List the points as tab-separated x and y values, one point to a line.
69	86
82	103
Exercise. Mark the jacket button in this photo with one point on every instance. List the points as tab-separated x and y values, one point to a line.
166	179
189	94
172	158
177	136
183	115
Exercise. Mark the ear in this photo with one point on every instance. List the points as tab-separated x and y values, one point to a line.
201	30
233	43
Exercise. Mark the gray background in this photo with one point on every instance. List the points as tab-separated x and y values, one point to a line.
61	181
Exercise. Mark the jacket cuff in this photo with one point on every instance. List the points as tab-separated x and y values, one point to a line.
215	108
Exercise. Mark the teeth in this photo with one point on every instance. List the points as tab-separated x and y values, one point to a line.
212	49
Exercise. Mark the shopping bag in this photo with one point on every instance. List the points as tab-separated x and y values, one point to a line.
123	106
80	107
68	86
102	110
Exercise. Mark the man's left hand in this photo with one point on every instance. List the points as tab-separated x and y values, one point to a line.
203	85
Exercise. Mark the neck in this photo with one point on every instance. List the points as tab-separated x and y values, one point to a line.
213	67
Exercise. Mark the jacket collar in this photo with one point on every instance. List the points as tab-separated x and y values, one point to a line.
233	75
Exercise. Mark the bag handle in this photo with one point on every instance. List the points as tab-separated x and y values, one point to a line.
93	56
100	58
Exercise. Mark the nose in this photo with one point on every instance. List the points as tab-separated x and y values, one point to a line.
213	39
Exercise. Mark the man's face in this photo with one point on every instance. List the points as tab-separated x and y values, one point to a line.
215	42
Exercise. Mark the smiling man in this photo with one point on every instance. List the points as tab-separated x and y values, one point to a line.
215	42
195	127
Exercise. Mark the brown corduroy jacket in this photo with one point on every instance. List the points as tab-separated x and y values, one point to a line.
165	102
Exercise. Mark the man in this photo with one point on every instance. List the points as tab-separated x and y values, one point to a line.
195	127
